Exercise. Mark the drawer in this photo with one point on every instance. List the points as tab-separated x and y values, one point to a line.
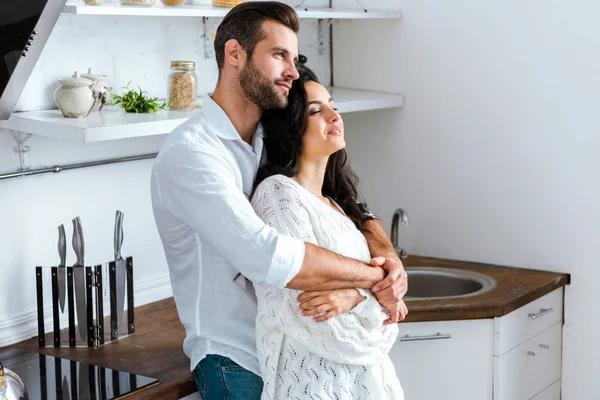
527	369
449	360
518	326
552	392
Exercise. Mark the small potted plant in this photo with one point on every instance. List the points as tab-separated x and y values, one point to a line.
137	101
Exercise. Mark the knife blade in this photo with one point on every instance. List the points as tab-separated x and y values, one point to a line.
120	265
62	253
79	278
65	389
83	381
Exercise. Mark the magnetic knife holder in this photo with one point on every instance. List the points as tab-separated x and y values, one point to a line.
95	319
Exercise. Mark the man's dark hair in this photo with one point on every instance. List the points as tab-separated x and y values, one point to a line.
244	24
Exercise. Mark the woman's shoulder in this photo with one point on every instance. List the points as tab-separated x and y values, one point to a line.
278	183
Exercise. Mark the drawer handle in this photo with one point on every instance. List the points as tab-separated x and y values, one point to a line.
408	338
545	346
530	353
543	311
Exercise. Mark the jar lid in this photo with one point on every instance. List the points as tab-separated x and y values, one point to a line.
94	77
183	64
75	80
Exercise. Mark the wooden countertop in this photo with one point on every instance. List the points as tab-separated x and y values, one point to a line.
155	350
515	287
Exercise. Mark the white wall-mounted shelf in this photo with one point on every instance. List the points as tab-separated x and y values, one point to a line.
112	123
159	10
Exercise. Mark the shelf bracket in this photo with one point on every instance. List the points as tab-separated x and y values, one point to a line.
20	139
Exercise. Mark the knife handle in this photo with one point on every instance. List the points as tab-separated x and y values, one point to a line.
81	242
118	234
77	241
62	244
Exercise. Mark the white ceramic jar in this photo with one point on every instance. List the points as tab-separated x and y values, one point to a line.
74	97
99	85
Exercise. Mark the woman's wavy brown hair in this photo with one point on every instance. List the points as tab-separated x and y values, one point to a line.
283	142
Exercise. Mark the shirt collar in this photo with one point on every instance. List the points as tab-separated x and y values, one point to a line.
221	123
218	120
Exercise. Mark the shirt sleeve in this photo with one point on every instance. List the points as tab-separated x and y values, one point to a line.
200	190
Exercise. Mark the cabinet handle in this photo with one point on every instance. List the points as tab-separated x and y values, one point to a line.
408	338
545	346
543	311
530	353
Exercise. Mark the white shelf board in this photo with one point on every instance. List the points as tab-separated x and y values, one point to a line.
112	123
352	100
160	10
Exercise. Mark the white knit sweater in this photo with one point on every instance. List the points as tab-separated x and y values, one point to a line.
344	358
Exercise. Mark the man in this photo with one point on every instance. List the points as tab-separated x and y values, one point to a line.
201	182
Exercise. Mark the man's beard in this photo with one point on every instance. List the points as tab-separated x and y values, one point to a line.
259	89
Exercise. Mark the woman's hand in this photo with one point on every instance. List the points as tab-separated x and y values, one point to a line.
327	304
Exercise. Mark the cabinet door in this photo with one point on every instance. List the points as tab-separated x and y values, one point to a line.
450	360
529	368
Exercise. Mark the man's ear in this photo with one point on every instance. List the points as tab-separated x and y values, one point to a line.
235	54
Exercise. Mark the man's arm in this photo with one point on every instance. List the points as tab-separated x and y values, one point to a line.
378	241
325	270
200	190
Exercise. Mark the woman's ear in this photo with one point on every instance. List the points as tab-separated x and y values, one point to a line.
235	54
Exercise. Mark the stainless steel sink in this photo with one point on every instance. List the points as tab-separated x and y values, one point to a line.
430	283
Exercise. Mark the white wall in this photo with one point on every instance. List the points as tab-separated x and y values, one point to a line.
495	153
31	208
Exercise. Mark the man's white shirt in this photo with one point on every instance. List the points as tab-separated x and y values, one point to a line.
201	183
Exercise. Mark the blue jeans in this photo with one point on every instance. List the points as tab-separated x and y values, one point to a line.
219	378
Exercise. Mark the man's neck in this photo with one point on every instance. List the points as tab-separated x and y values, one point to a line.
244	114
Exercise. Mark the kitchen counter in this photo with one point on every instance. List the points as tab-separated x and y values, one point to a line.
515	287
155	350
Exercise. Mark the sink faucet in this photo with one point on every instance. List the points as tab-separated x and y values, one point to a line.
397	214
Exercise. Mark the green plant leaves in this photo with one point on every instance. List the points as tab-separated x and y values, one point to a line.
137	101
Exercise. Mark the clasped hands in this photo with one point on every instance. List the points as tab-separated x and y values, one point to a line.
326	304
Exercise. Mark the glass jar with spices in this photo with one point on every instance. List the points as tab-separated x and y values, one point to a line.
183	85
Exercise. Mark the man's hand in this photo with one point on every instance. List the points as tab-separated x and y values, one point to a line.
390	291
329	303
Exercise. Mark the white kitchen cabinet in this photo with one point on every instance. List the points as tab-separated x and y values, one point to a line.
445	360
528	349
530	367
514	357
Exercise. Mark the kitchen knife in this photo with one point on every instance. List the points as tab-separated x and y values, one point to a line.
79	278
65	389
120	266
83	381
62	253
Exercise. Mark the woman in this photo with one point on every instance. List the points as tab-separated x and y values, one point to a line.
332	345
